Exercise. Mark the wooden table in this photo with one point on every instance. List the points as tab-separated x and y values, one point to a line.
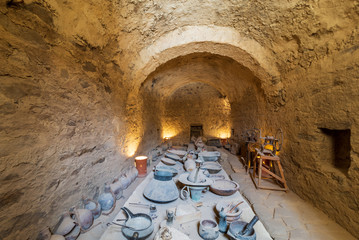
208	199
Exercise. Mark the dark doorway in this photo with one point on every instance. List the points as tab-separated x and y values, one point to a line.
196	130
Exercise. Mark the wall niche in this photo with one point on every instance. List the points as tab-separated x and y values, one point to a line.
336	144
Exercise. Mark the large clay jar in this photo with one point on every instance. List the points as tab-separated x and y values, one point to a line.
161	188
134	173
57	237
116	188
93	206
74	234
107	199
125	180
83	217
65	225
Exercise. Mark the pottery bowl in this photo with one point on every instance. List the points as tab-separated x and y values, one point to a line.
209	156
224	187
166	169
227	205
212	167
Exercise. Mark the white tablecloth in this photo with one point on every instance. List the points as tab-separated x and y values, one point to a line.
208	199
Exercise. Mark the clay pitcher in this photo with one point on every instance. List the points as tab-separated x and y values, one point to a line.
83	217
116	188
65	225
93	206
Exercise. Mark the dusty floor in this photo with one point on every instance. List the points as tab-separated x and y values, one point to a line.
284	215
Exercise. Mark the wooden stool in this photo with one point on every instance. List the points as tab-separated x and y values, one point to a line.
258	159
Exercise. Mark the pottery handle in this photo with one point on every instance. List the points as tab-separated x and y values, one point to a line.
184	193
250	225
128	212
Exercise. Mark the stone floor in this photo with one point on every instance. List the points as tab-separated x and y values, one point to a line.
285	215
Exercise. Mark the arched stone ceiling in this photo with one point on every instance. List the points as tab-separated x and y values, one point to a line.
216	40
223	73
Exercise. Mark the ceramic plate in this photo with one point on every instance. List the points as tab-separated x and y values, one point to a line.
168	161
180	153
172	156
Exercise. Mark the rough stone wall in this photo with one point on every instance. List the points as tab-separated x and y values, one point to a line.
62	129
196	103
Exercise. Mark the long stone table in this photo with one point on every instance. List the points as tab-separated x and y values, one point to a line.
208	199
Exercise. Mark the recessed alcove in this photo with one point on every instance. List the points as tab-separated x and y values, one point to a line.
337	145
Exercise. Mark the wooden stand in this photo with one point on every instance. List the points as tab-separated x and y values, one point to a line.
258	164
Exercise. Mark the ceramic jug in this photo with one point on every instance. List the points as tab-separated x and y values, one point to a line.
83	217
107	199
57	237
93	206
65	225
116	188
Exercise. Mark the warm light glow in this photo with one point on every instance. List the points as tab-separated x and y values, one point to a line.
140	158
224	135
169	132
132	146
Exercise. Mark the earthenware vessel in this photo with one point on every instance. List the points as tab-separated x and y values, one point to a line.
83	217
242	231
65	225
93	206
227	205
74	234
134	173
107	199
137	226
57	237
208	229
141	165
222	221
224	187
193	191
125	180
161	188
116	188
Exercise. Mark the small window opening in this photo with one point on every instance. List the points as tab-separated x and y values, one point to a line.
338	144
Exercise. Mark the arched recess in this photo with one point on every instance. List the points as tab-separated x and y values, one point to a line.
217	40
213	40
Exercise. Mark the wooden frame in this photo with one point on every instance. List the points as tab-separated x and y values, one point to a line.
258	159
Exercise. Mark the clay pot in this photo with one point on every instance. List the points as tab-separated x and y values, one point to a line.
134	173
57	237
116	188
93	206
74	234
125	181
83	217
65	225
107	199
141	165
208	229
